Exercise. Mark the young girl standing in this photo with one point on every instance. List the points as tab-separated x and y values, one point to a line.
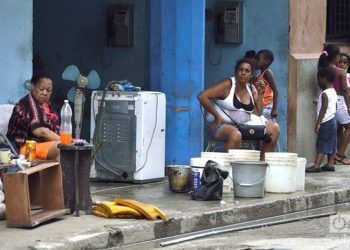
330	58
326	124
265	58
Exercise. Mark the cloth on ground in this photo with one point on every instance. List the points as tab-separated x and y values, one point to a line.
127	208
110	209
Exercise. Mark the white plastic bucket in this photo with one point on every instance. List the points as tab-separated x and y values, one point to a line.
244	155
281	177
300	174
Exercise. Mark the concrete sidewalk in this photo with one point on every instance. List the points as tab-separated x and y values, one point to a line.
91	232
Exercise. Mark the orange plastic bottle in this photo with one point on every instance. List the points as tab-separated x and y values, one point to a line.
66	124
66	138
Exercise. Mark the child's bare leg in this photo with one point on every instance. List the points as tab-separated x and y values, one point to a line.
318	161
330	160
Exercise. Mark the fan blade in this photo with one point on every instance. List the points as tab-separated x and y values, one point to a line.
93	80
71	94
71	73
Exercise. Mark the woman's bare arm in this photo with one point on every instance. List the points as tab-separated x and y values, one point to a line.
45	134
219	91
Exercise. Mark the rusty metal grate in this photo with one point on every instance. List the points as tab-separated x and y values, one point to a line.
338	20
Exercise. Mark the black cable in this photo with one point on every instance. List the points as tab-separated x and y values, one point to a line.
97	126
208	52
102	53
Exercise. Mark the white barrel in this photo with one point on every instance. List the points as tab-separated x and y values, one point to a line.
300	174
281	177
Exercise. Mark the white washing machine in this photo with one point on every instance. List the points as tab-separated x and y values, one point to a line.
128	131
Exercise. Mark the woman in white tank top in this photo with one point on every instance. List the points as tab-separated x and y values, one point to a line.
236	97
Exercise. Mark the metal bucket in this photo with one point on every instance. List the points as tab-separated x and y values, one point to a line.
179	178
249	178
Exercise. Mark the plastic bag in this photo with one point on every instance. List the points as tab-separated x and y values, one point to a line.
211	183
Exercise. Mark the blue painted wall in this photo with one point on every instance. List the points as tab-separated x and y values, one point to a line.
16	21
177	69
74	32
265	26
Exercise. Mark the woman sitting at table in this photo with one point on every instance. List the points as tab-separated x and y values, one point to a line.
33	119
241	101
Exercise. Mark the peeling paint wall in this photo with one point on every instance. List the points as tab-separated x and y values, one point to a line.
16	24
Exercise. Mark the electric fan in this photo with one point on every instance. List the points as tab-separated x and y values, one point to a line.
76	93
27	85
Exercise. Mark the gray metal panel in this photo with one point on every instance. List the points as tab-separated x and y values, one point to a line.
118	140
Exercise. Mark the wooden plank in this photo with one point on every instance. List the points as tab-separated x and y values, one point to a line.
39	167
36	189
53	194
17	198
48	215
41	217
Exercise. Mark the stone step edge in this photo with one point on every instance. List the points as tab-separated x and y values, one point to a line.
114	236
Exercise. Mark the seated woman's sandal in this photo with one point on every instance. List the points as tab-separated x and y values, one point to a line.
341	159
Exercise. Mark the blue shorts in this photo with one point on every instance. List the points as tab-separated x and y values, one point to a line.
327	137
216	130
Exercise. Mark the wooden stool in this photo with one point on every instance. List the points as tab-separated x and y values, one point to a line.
76	165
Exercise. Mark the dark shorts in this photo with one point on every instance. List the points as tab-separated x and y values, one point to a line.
327	137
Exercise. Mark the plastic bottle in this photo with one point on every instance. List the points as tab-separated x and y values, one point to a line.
66	123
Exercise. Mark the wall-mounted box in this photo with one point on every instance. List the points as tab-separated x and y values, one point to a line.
228	22
120	25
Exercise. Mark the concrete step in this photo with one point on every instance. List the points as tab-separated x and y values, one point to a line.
91	232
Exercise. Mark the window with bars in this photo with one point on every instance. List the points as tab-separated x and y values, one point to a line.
338	21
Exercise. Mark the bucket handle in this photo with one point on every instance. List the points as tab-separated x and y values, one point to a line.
250	185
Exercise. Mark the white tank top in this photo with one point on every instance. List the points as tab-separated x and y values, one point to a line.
332	104
240	115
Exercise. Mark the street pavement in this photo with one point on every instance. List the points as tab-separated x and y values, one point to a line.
311	234
91	232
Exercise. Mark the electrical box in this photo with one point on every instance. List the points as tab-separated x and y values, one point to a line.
120	22
229	22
